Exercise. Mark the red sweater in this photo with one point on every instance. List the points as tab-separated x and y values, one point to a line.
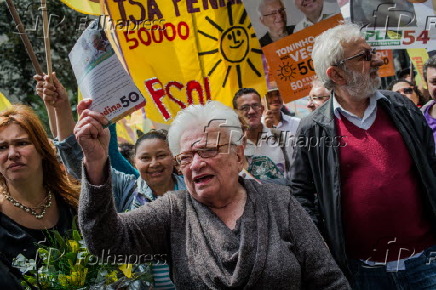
382	208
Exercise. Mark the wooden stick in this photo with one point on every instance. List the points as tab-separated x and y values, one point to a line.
24	37
412	79
46	33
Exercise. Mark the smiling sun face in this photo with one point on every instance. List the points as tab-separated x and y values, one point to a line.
235	44
286	71
232	48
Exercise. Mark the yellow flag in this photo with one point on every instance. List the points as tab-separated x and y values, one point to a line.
4	102
127	127
137	120
186	52
84	6
418	56
125	133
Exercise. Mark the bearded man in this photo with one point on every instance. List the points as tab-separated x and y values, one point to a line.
371	164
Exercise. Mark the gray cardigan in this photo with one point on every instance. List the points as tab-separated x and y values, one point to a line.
275	244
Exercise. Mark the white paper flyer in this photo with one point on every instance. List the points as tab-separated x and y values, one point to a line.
101	76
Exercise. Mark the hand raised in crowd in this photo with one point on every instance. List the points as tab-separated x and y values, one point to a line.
93	137
54	94
271	118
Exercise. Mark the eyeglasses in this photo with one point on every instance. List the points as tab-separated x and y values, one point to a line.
367	56
246	108
405	91
186	158
318	98
274	13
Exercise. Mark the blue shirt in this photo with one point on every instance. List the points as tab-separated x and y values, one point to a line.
368	116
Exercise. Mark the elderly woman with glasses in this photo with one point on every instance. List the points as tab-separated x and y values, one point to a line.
222	232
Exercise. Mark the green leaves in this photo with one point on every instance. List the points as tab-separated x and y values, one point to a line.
66	263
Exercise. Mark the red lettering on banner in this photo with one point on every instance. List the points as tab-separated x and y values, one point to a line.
156	35
207	89
167	29
419	63
158	93
167	90
194	86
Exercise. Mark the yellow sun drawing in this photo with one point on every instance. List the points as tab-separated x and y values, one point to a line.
235	44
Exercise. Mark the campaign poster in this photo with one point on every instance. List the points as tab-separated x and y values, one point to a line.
396	24
286	31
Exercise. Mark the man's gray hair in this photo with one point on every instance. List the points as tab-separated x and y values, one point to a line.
213	114
263	3
328	49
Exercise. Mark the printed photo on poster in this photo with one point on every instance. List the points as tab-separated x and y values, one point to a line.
396	24
274	19
383	13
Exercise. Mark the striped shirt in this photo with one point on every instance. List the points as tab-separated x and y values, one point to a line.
161	276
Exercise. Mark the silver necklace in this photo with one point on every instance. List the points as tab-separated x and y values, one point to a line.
30	210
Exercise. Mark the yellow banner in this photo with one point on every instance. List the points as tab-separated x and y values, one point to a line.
84	6
128	126
418	56
4	102
186	52
125	133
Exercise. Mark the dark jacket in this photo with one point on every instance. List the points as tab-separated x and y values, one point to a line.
266	39
316	168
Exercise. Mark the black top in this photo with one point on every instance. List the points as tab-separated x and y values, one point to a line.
266	39
16	239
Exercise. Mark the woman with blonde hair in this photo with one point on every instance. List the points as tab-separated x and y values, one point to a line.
36	194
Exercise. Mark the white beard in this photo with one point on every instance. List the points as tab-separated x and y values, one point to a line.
361	86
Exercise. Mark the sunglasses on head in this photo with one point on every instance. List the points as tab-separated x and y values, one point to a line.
405	91
366	56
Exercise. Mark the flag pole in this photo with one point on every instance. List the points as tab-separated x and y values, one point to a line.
412	77
24	37
46	33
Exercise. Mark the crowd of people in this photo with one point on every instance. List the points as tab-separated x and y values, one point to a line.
247	197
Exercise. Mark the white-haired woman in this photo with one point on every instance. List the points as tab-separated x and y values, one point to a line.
222	232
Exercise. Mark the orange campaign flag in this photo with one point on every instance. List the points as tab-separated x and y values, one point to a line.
290	59
387	69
